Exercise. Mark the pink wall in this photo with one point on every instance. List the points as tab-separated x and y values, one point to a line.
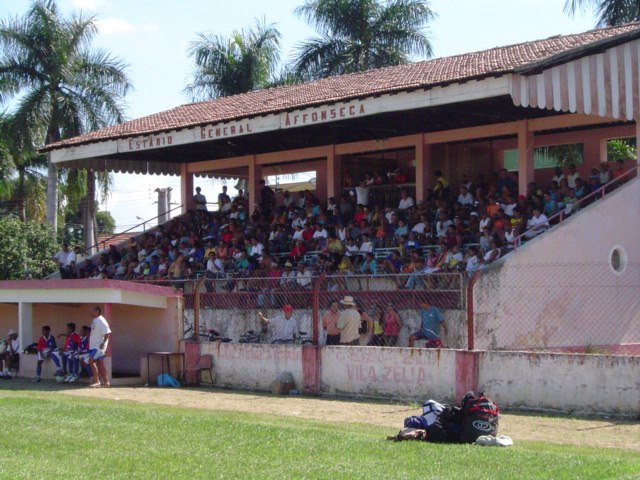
8	318
559	290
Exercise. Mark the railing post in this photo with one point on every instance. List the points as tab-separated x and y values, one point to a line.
196	309
470	312
315	308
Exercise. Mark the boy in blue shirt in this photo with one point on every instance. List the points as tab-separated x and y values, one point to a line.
432	320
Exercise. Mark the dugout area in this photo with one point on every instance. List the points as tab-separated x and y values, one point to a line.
143	319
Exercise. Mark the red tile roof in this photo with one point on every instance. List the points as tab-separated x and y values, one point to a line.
426	74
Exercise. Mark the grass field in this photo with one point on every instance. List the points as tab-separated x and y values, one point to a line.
49	434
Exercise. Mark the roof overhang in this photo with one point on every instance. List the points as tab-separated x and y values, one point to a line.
81	291
145	154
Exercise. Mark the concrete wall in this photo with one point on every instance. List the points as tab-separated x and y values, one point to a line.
8	318
571	383
559	289
396	373
253	366
562	382
140	330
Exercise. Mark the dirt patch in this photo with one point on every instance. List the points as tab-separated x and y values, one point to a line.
561	430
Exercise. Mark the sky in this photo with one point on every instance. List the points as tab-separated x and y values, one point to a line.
152	37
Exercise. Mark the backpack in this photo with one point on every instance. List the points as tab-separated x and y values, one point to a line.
480	417
448	427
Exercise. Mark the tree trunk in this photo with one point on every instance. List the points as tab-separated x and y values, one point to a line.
89	213
52	195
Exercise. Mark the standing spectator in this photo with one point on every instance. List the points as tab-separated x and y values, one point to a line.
572	176
10	356
349	323
200	200
223	198
432	321
267	200
46	345
329	323
362	194
98	342
66	261
392	326
284	325
377	339
605	173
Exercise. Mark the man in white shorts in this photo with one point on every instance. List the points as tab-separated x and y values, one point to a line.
98	341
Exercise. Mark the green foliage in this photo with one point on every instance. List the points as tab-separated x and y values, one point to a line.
246	61
621	149
358	35
106	222
121	439
609	12
26	249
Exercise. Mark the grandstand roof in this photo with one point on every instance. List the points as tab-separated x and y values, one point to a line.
521	57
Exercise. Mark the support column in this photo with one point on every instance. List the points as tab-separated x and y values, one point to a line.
423	168
255	175
25	324
525	157
186	189
334	173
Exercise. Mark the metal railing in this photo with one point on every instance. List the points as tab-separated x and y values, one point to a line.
560	216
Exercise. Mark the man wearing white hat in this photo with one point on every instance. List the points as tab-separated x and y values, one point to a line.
349	323
10	356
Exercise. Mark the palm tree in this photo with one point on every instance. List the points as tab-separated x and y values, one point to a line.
244	62
62	88
358	35
22	183
609	12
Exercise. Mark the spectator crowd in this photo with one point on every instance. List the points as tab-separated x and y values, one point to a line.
290	240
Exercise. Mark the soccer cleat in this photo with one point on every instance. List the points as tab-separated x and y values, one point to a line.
73	378
37	380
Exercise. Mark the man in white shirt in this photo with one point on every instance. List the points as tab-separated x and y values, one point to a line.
98	342
572	176
66	261
304	276
537	224
349	322
405	201
200	200
10	356
284	326
465	198
362	194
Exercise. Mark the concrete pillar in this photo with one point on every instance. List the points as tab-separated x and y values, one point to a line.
334	173
25	324
423	168
525	157
255	175
186	189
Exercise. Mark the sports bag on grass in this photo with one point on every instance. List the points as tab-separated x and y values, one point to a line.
480	418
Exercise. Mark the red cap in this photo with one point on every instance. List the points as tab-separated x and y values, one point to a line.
287	308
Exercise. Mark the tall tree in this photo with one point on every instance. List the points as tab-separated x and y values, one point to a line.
22	183
62	88
246	61
609	12
358	35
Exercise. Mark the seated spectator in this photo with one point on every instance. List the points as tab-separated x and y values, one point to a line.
304	276
465	198
537	224
471	261
9	359
406	201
